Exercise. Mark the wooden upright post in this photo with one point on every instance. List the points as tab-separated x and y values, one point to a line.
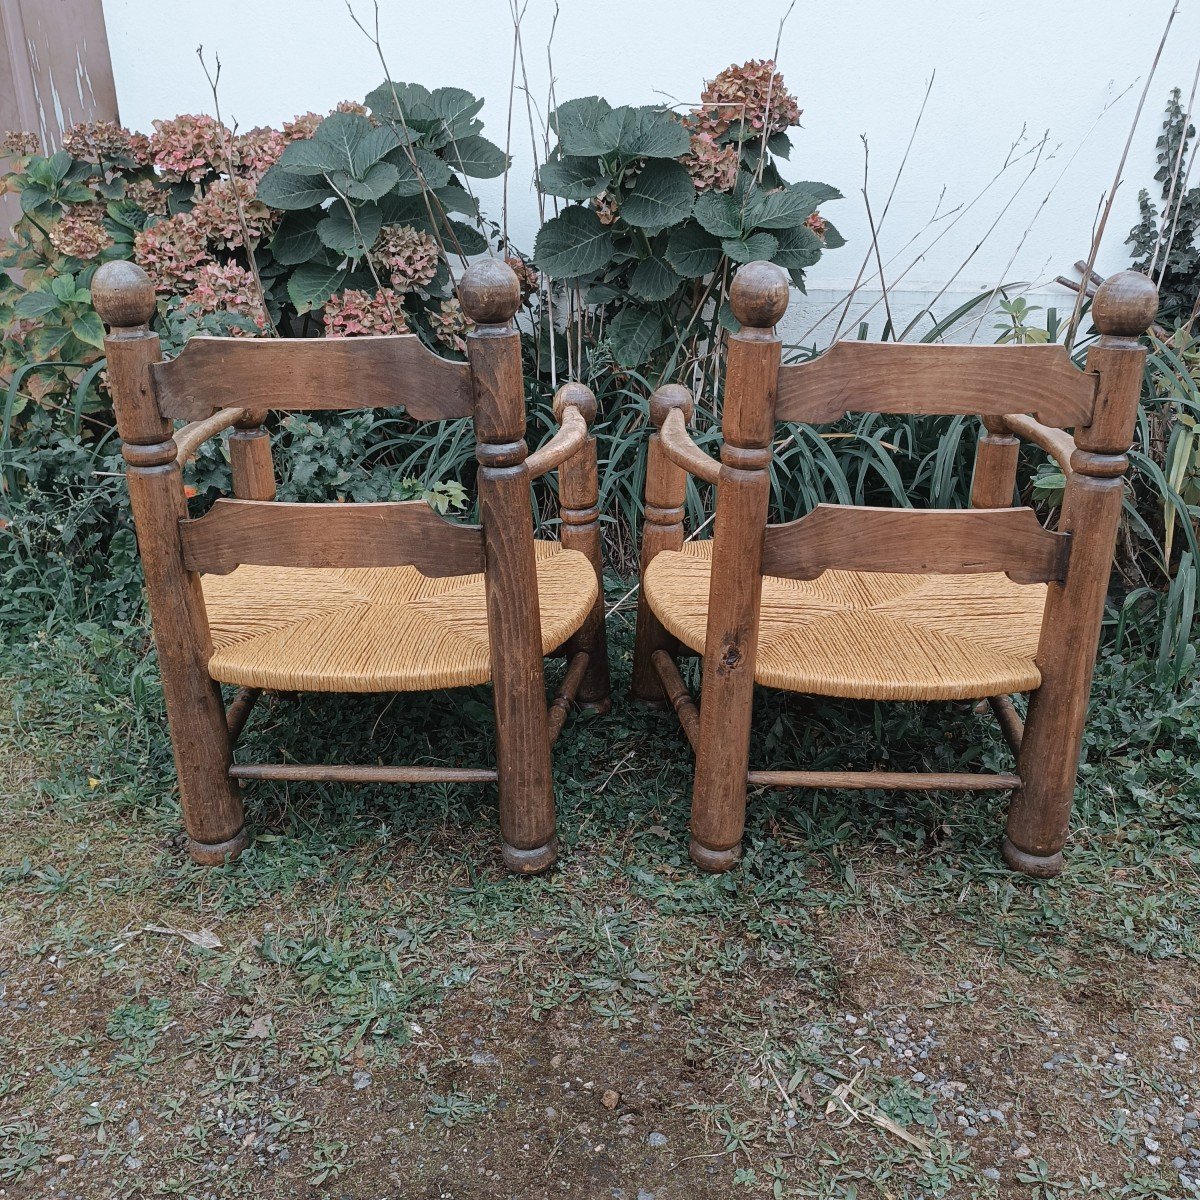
490	295
212	803
666	495
1124	308
759	297
579	511
250	458
994	483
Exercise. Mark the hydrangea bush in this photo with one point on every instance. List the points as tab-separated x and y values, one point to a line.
663	208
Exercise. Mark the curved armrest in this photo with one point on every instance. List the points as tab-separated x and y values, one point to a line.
191	437
574	408
1057	443
682	451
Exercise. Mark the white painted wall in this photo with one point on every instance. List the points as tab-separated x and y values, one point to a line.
1073	69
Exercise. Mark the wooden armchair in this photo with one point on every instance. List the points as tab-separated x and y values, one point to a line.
892	604
357	597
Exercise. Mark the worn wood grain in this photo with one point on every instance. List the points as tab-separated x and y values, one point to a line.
303	374
276	534
907	541
890	377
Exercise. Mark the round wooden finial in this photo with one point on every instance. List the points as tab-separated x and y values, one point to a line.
667	397
583	398
489	292
759	294
1125	305
123	295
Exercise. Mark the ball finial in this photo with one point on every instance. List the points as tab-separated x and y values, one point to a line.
1125	305
123	295
583	398
759	294
489	292
667	397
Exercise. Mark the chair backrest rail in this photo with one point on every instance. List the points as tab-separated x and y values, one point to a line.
277	534
304	374
889	377
910	541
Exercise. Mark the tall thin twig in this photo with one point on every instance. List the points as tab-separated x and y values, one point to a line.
1118	178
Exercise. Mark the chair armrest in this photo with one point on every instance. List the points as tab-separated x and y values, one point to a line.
670	407
574	409
191	437
1057	443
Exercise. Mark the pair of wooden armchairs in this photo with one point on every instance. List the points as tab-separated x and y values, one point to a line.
881	604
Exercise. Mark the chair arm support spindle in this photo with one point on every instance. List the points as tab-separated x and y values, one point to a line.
190	438
1057	443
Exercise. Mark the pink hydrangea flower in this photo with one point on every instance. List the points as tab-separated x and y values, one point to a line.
817	224
258	149
171	251
216	213
355	313
148	195
753	93
226	287
450	325
713	167
301	127
188	147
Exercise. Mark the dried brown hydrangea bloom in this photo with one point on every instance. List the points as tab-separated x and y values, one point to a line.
171	252
410	256
355	313
80	234
605	207
352	106
753	93
148	196
107	142
216	213
817	224
20	144
526	274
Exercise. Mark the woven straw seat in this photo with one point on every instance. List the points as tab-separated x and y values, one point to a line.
870	636
372	629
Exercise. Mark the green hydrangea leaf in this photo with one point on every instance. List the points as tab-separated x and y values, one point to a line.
719	214
572	244
662	196
692	250
653	279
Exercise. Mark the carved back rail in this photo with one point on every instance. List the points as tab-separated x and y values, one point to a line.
896	378
916	542
302	374
273	534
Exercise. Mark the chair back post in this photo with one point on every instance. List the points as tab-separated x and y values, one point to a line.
579	512
212	804
490	295
1124	308
994	482
666	496
250	459
759	297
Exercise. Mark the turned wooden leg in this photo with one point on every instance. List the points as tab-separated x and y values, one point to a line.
212	802
759	298
489	294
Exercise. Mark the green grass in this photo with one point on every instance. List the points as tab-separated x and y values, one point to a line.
390	1013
